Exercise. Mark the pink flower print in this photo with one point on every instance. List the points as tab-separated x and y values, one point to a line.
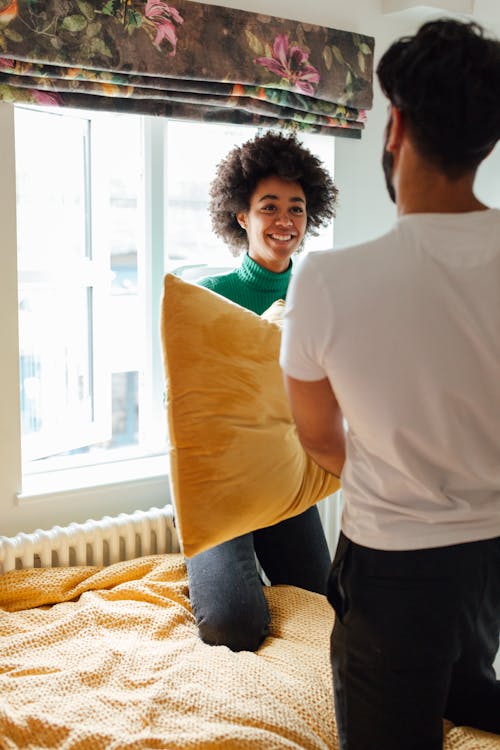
291	64
163	17
166	31
46	98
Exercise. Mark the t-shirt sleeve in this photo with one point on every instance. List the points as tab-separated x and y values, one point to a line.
306	324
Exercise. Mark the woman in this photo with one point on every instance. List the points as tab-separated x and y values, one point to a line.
268	194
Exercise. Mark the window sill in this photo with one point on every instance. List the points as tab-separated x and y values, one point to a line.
135	471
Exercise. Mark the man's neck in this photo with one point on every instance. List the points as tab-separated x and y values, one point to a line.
422	188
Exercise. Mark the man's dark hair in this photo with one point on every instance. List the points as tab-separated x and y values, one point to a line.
446	82
267	155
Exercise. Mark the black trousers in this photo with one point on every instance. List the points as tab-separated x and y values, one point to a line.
415	637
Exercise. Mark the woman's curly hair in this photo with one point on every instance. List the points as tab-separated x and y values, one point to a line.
268	155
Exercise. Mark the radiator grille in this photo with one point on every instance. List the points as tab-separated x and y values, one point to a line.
101	542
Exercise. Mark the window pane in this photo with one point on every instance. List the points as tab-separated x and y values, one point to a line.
80	217
50	166
118	185
56	377
55	287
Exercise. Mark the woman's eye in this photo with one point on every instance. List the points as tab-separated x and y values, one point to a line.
271	208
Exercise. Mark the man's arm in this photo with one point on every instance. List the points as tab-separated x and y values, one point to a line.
319	421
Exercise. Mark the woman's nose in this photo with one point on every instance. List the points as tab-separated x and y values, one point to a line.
284	219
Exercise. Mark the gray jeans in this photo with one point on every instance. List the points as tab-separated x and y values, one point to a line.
225	587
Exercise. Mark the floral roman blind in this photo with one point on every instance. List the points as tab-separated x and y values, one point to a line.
188	60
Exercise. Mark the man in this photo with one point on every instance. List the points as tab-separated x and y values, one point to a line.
401	338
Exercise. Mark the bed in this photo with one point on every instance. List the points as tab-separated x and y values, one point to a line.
108	658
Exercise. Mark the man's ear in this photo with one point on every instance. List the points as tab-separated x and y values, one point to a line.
241	218
396	130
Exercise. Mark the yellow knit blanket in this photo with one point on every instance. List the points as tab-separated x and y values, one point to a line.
109	659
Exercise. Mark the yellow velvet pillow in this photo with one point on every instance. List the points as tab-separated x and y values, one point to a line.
236	463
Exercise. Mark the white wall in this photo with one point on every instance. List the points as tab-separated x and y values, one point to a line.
365	211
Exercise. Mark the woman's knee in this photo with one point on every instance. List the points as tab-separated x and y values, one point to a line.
237	630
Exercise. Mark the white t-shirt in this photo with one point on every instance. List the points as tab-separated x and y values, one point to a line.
407	329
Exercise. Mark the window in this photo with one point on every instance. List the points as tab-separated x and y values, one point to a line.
106	204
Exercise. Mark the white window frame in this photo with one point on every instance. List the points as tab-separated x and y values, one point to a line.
106	489
87	276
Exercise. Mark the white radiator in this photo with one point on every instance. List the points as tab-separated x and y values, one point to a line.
103	542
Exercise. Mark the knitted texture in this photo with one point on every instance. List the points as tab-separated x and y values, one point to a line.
250	285
117	664
465	738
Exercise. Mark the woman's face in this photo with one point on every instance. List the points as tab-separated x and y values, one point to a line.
275	222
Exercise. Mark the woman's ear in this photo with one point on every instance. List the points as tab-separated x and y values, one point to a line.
241	218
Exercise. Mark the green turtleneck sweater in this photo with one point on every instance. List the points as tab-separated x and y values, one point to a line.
250	285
